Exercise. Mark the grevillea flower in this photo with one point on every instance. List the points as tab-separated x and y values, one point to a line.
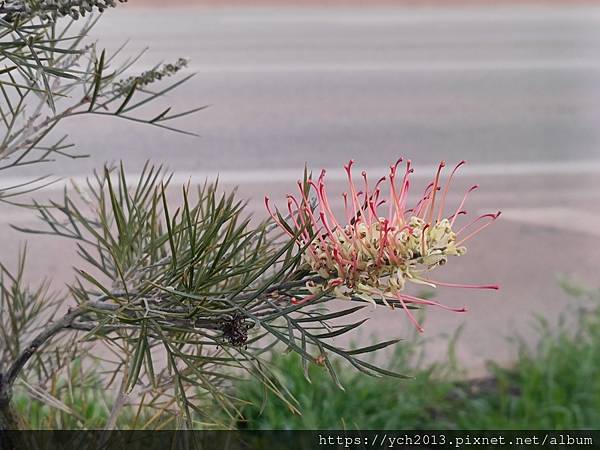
381	244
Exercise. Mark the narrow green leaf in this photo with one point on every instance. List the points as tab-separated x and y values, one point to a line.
97	80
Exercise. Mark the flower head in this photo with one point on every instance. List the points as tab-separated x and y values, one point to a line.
381	244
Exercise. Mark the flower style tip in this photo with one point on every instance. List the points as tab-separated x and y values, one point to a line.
372	255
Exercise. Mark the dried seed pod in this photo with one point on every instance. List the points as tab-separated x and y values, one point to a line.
235	330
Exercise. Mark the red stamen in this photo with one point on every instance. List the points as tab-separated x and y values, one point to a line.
424	241
463	286
478	230
383	232
462	203
447	188
409	314
434	190
457	214
422	301
474	221
355	202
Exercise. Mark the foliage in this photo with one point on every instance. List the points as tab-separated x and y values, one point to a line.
366	403
76	401
22	311
52	9
49	72
176	294
552	385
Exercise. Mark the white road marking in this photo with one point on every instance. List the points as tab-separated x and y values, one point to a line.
406	66
397	15
287	175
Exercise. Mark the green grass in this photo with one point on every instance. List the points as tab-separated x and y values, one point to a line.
74	400
555	385
366	402
86	409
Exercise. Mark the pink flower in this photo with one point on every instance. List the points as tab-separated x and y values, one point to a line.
381	243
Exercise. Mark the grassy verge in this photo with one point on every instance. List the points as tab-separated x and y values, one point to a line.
555	385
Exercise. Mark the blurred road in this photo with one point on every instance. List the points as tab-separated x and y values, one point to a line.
515	91
491	85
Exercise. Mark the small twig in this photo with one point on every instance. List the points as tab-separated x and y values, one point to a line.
34	130
121	401
8	380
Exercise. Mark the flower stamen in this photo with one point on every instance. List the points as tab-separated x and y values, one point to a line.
372	255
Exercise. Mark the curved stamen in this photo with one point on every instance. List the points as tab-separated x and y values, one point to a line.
434	191
383	233
302	227
462	203
456	214
409	314
422	301
447	188
463	286
422	204
478	230
357	206
474	221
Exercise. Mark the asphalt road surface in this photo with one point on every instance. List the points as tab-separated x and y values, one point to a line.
285	87
515	91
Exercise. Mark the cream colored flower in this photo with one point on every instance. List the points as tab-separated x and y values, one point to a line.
381	245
